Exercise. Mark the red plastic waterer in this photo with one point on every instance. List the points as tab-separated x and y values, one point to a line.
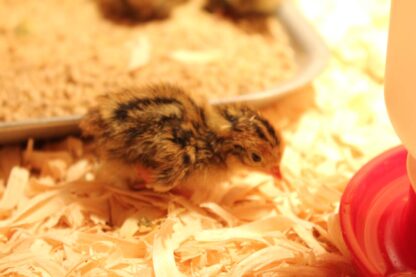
378	208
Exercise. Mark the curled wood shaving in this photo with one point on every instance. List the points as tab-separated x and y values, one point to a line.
229	218
260	259
163	252
15	187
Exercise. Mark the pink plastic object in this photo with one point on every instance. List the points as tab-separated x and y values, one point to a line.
378	217
378	208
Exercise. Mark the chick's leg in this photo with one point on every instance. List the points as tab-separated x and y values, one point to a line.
144	178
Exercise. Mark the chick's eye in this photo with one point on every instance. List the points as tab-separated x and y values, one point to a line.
256	158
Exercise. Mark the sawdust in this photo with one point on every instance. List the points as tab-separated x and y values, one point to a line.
57	56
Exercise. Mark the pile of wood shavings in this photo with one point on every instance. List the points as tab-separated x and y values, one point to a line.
57	220
57	56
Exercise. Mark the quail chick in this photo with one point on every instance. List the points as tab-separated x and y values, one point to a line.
245	7
141	10
157	135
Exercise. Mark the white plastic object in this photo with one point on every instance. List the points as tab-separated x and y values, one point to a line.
400	82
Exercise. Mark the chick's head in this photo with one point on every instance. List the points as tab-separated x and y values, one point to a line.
254	141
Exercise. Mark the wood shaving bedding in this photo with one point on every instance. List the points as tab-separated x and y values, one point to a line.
58	222
89	228
57	56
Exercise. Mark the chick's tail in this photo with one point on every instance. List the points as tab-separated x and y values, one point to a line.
92	124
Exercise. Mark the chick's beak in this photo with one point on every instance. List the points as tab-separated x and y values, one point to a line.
275	171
